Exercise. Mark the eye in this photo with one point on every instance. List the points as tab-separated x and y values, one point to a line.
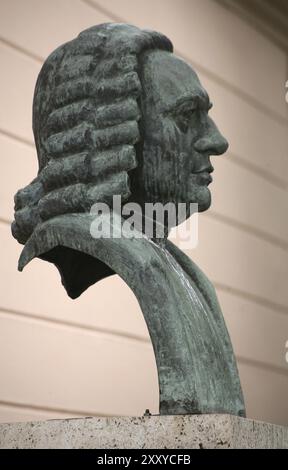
184	117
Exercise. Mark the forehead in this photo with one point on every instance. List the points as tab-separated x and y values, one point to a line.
167	79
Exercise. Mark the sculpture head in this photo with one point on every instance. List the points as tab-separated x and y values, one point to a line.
115	112
178	135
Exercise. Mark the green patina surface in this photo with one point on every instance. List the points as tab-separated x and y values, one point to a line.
117	113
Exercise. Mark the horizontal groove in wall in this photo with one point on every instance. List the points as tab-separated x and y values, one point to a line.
274	33
104	11
75	326
17	137
282	370
22	50
213	76
5	221
45	409
264	236
278	308
258	171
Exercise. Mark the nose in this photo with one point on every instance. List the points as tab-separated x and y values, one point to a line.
212	141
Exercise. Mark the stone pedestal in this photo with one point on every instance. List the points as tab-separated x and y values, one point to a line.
148	432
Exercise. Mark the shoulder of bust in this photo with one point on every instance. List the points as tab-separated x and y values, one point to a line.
66	241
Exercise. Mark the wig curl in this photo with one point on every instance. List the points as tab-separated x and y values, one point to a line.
85	123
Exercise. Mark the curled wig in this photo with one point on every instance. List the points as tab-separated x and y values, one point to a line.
85	123
86	111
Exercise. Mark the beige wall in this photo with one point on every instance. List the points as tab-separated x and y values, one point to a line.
60	357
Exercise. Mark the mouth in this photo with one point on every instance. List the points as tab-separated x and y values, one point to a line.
203	176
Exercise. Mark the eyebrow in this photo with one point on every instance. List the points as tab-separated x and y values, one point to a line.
200	99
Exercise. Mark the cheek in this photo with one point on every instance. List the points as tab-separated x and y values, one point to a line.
175	161
174	150
173	138
166	163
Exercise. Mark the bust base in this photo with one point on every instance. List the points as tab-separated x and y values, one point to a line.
147	432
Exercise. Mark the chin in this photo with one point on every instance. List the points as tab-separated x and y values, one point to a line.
202	197
204	206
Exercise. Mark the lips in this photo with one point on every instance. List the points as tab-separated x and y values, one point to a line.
203	176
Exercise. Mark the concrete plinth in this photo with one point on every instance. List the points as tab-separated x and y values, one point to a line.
149	432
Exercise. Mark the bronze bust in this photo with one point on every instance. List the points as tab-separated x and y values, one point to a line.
117	113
